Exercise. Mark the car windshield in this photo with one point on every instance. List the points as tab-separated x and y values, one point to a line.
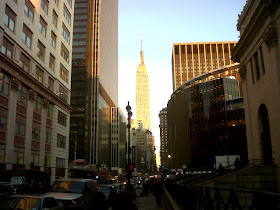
17	180
21	203
68	186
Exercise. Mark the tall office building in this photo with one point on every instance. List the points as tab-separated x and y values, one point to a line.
94	79
143	93
193	59
163	137
35	81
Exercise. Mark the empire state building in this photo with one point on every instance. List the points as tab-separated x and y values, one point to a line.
143	114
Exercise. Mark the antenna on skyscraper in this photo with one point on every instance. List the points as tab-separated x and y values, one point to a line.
141	42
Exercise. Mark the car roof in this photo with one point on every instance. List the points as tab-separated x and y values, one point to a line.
77	180
33	195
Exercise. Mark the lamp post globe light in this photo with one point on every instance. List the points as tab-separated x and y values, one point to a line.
129	115
169	156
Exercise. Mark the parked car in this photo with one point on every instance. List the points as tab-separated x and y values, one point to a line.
31	201
75	193
27	180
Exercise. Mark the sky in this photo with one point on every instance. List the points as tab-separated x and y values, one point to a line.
162	23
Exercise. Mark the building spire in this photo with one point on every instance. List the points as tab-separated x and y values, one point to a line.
142	52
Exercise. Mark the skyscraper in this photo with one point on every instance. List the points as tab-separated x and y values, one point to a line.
193	59
143	93
94	79
163	137
35	69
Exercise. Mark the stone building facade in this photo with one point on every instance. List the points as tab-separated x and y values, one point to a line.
35	81
258	52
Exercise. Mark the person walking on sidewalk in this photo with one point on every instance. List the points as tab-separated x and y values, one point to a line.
158	191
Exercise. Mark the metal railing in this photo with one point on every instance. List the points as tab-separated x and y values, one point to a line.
210	198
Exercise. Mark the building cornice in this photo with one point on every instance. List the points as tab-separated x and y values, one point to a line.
261	14
194	43
243	14
17	72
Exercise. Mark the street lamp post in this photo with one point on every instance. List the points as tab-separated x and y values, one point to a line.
129	115
169	156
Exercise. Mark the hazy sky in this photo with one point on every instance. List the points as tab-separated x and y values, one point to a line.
162	23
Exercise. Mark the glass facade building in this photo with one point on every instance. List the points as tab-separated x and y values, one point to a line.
94	79
206	119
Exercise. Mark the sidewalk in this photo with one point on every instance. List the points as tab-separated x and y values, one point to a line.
147	203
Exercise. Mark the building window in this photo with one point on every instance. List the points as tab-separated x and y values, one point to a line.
7	48
10	18
34	157
24	62
18	155
70	3
261	60
3	123
20	129
52	62
41	51
54	18
29	10
42	27
51	84
67	14
35	134
26	36
4	84
53	40
65	33
61	118
50	108
61	141
48	138
47	159
2	153
39	74
256	56
56	2
63	73
64	53
22	95
60	163
44	5
37	105
63	94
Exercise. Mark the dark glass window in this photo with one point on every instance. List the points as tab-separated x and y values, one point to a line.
9	18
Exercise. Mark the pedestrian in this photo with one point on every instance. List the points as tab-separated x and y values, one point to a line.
126	200
221	169
237	163
100	201
114	198
158	192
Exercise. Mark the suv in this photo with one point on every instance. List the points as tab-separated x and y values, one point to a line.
75	193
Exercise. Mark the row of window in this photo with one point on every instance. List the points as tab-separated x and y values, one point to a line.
18	157
7	49
9	21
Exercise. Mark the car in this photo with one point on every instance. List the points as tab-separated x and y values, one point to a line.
74	193
31	201
27	180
